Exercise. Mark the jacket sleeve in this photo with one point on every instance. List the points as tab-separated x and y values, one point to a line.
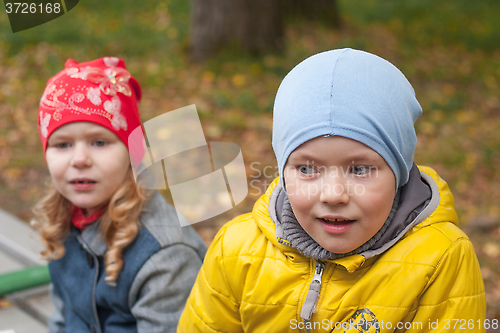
56	321
211	306
454	300
160	289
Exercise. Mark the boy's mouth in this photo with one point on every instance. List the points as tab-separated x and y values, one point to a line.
337	220
336	225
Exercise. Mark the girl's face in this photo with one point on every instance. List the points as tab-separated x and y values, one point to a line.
341	191
87	163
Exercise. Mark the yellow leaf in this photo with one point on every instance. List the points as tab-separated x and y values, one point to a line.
492	250
238	80
12	173
208	76
448	89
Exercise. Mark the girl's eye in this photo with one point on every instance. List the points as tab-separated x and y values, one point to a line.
307	170
100	143
62	145
360	170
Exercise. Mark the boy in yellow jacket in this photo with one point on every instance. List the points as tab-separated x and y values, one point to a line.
353	236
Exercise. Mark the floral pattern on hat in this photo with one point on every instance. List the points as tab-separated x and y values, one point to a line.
100	91
113	106
44	123
94	96
111	81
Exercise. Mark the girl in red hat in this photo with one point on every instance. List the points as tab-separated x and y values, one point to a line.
119	260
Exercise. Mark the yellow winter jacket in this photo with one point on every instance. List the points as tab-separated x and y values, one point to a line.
429	281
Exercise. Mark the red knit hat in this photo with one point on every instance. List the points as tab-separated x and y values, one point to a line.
101	91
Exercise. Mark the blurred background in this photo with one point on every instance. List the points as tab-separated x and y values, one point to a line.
229	59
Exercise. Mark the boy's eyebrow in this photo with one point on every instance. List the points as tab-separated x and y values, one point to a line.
370	157
301	156
354	158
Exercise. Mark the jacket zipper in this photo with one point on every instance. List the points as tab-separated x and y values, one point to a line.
312	294
93	294
94	258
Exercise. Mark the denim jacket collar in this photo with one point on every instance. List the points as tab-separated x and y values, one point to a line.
91	238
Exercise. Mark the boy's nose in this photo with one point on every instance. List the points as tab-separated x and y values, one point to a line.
334	191
81	156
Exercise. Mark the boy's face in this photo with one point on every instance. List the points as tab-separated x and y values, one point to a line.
84	150
341	191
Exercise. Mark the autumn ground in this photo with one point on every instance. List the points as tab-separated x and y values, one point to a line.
449	51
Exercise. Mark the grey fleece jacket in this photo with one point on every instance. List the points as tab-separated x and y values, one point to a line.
159	270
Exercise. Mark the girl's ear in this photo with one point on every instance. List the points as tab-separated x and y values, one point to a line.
136	87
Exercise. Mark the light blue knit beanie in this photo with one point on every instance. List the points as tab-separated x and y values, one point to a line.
349	93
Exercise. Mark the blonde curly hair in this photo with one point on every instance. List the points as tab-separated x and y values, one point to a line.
119	225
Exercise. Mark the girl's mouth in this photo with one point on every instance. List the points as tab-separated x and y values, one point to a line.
83	185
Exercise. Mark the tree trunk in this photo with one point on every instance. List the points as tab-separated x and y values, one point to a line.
256	25
324	11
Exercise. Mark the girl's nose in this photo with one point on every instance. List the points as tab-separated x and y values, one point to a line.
81	156
334	190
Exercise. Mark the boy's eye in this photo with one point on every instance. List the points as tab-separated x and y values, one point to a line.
307	169
360	170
